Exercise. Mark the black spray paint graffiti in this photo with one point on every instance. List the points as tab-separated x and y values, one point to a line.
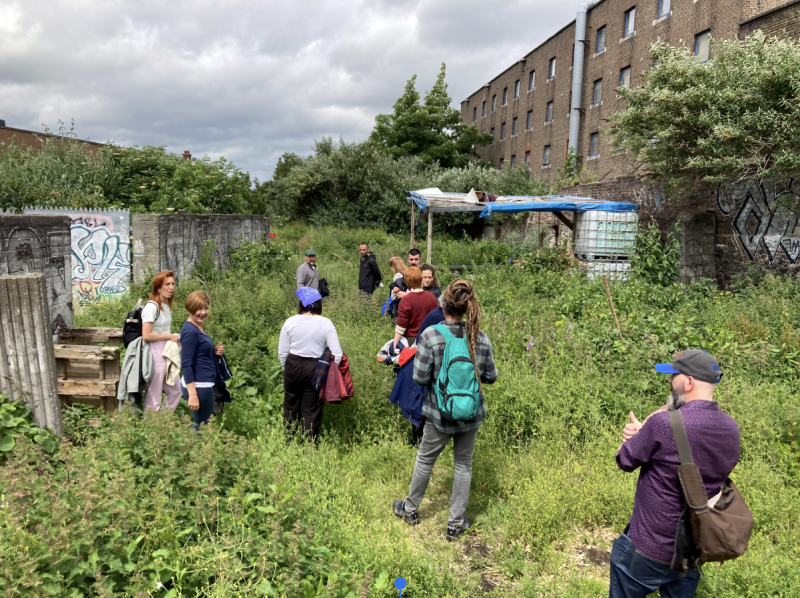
760	220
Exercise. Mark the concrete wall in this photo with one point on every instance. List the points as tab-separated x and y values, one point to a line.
41	244
101	253
177	241
726	228
27	358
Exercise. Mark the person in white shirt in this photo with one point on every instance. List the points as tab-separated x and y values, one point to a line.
156	326
302	342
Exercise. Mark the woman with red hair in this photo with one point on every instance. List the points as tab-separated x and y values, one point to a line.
156	330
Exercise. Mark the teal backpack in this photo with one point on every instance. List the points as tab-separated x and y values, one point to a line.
458	393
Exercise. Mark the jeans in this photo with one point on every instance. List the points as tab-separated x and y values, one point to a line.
634	575
432	445
206	398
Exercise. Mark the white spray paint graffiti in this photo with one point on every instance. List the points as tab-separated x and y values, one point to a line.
760	220
101	263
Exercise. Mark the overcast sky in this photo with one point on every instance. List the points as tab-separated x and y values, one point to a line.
248	79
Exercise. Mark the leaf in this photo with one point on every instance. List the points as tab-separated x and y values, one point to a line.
252	496
161	552
7	443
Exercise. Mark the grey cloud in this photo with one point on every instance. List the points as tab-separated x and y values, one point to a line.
247	79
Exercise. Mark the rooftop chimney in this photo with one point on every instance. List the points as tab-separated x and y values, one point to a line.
2	124
187	155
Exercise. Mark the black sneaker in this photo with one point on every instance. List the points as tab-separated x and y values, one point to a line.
453	533
399	507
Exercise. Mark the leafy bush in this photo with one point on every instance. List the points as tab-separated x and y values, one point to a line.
16	423
655	260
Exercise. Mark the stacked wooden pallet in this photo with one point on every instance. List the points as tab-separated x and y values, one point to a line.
88	372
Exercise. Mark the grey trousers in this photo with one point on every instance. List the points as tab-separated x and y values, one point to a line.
432	445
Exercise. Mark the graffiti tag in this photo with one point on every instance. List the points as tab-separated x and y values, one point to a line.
760	221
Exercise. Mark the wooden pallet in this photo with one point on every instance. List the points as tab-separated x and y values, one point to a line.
88	374
90	336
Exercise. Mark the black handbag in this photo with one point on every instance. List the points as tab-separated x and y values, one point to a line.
323	287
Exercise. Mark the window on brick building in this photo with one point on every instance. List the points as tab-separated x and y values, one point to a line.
505	96
702	44
474	114
601	39
513	160
492	134
597	97
501	164
546	156
552	71
548	117
630	16
514	126
516	89
528	159
531	80
663	7
503	131
625	77
594	144
483	109
494	102
529	122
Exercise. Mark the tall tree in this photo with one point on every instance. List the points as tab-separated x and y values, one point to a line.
734	117
432	131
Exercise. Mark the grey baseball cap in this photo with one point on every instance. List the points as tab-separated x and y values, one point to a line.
310	252
695	363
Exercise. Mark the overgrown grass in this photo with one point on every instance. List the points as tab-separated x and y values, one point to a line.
241	511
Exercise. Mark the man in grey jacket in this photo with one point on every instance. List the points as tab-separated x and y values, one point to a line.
307	275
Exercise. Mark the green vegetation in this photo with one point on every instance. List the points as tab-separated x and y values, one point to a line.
432	131
62	173
242	512
734	117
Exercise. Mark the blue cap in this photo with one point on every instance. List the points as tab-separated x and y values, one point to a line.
695	363
307	295
666	368
310	252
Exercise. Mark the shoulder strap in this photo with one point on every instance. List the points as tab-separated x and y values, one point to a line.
679	432
442	328
158	308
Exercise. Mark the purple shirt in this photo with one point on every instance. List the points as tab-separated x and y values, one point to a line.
714	440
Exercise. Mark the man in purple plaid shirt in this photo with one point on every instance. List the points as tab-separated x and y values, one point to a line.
641	556
457	301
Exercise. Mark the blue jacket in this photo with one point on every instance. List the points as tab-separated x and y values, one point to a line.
435	317
407	394
198	361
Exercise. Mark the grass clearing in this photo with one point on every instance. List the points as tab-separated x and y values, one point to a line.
243	512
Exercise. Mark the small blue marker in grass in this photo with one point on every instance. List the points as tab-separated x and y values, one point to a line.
400	584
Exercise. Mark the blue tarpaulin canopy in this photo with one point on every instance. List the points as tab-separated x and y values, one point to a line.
434	200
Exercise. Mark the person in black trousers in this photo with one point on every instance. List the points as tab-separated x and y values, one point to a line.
302	342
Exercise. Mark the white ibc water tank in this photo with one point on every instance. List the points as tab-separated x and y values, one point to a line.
605	234
615	269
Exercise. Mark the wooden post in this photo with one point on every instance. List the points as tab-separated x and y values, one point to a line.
412	225
611	303
430	235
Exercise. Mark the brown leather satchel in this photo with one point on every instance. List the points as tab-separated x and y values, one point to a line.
720	527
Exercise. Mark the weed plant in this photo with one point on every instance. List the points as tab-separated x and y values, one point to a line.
144	507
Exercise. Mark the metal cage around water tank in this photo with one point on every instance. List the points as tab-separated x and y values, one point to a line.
605	235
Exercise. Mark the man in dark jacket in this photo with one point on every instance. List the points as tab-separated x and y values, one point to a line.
369	276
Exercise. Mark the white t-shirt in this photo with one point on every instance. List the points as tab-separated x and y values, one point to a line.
307	336
164	322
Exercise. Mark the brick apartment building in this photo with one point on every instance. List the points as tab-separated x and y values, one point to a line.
527	107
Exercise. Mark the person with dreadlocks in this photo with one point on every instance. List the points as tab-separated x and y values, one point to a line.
462	320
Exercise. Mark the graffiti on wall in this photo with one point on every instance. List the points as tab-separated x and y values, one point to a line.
101	263
759	219
29	247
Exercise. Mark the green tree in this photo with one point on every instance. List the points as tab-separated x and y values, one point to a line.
734	117
432	131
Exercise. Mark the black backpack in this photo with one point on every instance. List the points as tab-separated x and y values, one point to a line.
132	329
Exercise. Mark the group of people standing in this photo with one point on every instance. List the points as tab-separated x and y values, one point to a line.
201	361
427	319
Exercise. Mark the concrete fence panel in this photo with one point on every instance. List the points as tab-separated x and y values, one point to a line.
27	357
41	244
101	253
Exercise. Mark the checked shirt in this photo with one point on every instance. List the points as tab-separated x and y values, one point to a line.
428	361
